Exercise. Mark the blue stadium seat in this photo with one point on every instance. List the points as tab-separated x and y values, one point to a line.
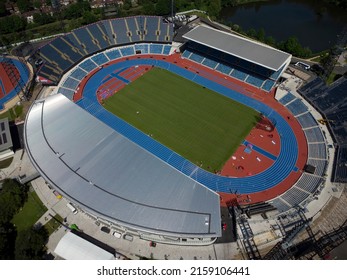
100	59
143	48
88	65
155	48
114	54
268	85
127	51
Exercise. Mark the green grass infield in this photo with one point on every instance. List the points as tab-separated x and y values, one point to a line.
195	122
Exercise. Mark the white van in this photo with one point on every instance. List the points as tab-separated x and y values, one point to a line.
72	208
302	65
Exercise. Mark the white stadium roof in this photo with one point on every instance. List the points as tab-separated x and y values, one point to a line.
246	49
108	175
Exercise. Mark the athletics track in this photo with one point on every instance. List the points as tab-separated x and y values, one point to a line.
8	90
280	176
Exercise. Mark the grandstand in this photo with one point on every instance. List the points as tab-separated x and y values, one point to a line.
62	53
105	165
248	61
331	102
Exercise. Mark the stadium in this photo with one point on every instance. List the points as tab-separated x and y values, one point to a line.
156	136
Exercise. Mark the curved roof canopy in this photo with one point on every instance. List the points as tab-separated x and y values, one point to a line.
110	176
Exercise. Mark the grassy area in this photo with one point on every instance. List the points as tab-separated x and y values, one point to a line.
13	113
6	163
331	78
53	224
32	210
199	124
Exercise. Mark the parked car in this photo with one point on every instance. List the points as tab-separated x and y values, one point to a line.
105	229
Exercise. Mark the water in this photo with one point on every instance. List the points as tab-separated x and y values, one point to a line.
315	25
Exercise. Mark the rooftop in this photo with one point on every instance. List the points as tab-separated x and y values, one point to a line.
110	176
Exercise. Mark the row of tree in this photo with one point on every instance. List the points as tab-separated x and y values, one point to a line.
291	45
24	245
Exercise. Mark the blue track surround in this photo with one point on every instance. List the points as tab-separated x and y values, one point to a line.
24	74
275	174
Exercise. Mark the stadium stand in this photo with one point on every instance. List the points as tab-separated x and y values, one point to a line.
64	52
287	98
281	204
307	120
100	59
314	135
260	74
113	54
297	107
294	196
317	151
309	183
78	74
88	65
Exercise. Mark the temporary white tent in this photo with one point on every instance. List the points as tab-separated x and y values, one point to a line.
73	247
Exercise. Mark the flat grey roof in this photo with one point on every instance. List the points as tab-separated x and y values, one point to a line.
240	47
106	173
5	135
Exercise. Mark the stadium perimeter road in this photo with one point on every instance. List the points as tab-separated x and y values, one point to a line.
135	249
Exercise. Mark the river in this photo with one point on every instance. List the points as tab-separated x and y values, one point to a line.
315	25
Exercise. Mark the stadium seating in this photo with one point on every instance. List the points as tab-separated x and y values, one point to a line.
225	69
100	59
307	120
320	166
66	92
88	65
256	81
78	74
297	107
71	83
155	48
167	49
294	196
64	52
314	135
143	48
126	51
113	54
287	98
210	63
280	204
309	183
268	85
317	151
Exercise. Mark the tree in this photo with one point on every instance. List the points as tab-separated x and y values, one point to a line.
30	244
252	33
261	35
37	4
23	5
163	7
149	8
12	198
270	41
2	8
89	17
7	241
214	8
293	46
